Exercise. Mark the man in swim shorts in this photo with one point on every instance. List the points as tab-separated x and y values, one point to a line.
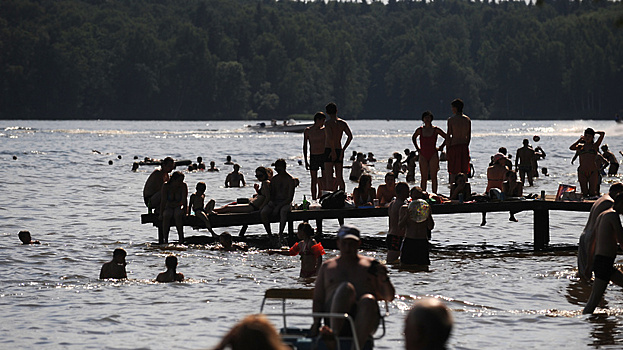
351	283
608	237
315	135
414	249
334	152
523	162
459	136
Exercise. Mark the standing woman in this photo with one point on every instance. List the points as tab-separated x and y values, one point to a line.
587	149
429	158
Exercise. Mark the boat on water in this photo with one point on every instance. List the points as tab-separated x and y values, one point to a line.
298	337
285	126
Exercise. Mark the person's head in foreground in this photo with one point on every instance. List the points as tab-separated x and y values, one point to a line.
305	231
254	332
615	189
428	325
225	240
349	240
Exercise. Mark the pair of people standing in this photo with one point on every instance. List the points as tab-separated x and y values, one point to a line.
457	140
326	150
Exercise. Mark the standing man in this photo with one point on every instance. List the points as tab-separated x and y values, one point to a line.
351	283
459	135
153	185
609	236
315	135
524	160
334	152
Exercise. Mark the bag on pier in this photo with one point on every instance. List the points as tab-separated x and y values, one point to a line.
333	200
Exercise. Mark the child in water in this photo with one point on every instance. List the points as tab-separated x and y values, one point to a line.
196	204
171	274
227	244
311	252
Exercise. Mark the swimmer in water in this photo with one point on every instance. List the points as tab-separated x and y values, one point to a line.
310	251
116	267
227	243
24	236
171	274
234	178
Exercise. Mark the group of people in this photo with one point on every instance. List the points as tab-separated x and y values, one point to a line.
115	269
167	195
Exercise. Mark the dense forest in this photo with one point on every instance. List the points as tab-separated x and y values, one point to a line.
263	59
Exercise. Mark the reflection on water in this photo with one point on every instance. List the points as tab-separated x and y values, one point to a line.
81	209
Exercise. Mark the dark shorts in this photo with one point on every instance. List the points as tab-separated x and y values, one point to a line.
316	161
414	252
603	267
327	155
394	242
526	168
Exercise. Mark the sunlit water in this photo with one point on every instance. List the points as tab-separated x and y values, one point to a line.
502	294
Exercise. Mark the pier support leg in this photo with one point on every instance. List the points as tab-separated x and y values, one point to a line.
160	234
541	229
291	232
318	228
243	230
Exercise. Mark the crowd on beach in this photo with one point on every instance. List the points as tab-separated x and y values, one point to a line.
353	283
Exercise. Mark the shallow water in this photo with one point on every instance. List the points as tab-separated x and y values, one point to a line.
501	293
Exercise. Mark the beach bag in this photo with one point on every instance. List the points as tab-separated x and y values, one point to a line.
333	200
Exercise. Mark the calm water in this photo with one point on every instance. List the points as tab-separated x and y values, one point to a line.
81	208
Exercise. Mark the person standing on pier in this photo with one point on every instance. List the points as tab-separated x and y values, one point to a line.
282	188
458	137
315	135
334	151
608	237
524	160
587	149
429	157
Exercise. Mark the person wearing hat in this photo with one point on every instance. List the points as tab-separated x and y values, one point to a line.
351	283
523	162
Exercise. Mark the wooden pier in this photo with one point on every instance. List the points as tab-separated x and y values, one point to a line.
540	208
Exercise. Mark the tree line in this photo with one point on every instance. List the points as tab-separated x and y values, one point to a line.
266	59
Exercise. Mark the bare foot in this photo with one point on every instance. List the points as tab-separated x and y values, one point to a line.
328	337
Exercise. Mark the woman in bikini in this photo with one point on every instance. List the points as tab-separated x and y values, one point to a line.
587	149
174	205
429	158
311	252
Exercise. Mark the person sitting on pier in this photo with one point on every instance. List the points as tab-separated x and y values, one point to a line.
608	237
428	325
460	186
116	267
260	198
171	274
282	188
395	233
415	250
387	191
351	283
153	185
364	194
586	246
174	205
310	251
235	178
512	189
495	176
197	200
25	238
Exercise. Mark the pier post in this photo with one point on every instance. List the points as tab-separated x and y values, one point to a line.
541	229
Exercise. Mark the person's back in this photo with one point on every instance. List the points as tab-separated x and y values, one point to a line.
116	267
496	173
428	325
153	185
170	275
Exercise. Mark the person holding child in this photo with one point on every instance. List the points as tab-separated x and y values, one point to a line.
310	251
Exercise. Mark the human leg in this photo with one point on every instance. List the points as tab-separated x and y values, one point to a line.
179	224
367	319
599	287
283	217
166	223
314	183
204	218
265	214
593	183
328	175
434	169
583	180
342	302
522	175
424	170
340	176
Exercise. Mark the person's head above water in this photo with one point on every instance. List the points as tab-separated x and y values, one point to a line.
24	236
170	262
306	230
402	190
225	239
236	167
604	147
526	142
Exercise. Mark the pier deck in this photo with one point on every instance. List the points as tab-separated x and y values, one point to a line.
540	208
